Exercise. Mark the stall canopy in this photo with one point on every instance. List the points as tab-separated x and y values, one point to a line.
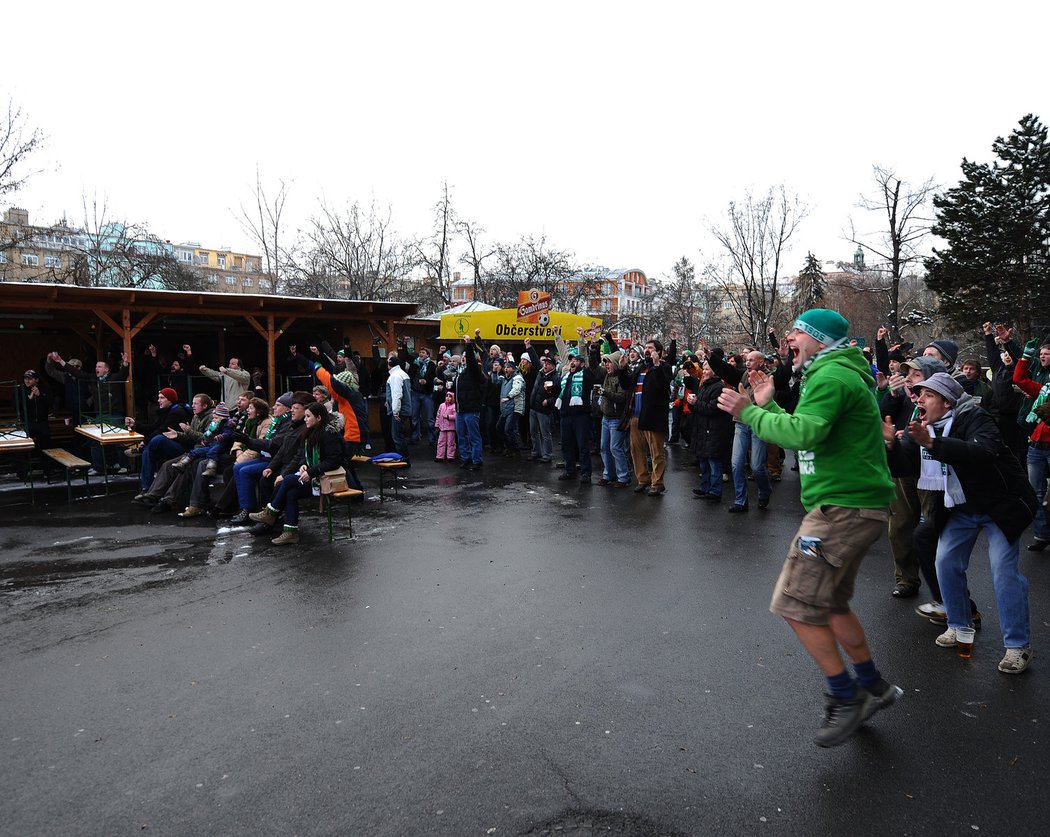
128	311
533	318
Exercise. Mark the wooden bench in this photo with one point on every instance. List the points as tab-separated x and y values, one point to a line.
70	463
391	467
347	497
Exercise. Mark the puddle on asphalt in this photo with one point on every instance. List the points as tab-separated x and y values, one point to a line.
125	554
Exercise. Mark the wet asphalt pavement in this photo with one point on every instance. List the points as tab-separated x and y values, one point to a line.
494	653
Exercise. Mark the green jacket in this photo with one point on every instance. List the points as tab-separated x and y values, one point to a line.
198	424
837	432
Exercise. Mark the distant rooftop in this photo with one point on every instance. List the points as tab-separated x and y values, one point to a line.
462	308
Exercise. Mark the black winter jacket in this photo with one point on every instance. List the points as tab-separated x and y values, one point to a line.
470	383
656	394
329	458
990	475
712	431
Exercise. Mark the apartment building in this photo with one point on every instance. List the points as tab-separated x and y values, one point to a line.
223	270
609	294
118	256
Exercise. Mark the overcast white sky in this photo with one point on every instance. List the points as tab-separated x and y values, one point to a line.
618	130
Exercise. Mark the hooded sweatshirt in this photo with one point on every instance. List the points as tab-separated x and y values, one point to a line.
836	430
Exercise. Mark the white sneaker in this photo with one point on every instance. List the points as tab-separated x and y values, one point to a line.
94	472
122	471
1016	660
932	610
947	639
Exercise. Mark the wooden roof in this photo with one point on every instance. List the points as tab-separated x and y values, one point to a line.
40	298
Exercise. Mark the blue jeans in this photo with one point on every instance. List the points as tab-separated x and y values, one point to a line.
954	546
468	437
540	431
614	451
507	430
156	450
246	476
423	417
287	495
1038	472
397	433
711	476
576	443
743	438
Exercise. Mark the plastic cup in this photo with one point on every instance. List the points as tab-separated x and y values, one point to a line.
964	642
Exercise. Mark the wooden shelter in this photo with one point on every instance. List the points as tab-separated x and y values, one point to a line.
34	316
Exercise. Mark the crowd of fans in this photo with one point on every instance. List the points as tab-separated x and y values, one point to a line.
602	404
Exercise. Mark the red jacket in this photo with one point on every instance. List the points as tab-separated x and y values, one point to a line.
1031	389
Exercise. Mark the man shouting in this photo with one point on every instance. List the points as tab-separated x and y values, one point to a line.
846	491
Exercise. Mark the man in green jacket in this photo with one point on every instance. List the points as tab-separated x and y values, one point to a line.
846	491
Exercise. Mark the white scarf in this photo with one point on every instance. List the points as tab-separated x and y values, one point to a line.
935	475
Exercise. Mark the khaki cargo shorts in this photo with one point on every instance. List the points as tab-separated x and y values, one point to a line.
818	576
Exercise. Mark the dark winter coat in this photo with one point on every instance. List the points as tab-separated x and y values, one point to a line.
330	454
105	397
656	394
282	444
168	418
421	375
712	430
1008	398
470	383
588	386
36	409
538	393
990	475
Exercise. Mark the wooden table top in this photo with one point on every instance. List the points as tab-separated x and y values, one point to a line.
109	434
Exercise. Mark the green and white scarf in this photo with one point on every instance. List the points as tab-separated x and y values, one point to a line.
573	384
1040	399
277	422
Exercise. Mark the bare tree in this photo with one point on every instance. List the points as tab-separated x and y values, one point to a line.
106	252
263	221
433	253
907	223
684	304
755	239
477	252
531	263
355	254
18	142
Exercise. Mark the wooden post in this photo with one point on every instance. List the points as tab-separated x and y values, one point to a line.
271	360
129	383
